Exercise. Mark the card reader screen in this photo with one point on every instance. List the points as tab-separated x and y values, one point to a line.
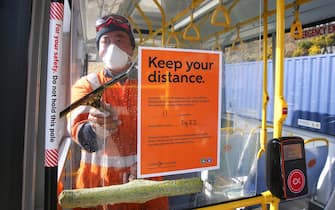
292	151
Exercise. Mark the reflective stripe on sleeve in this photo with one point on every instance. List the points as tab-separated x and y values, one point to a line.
108	161
93	80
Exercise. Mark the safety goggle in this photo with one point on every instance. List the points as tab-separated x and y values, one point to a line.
116	20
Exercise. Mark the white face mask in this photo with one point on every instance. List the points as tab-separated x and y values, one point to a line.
115	58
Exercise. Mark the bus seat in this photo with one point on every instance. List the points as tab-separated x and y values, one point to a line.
315	161
321	199
250	149
256	180
248	154
231	148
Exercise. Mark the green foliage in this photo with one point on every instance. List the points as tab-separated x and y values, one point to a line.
314	46
305	44
314	50
299	52
249	51
330	39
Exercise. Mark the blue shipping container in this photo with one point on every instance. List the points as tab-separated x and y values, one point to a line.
309	90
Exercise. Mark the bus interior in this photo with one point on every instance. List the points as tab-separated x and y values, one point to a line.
278	59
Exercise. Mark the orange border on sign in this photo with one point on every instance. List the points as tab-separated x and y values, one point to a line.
179	111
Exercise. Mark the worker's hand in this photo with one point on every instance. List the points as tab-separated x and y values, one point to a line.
104	122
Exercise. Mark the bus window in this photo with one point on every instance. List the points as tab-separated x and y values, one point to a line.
128	59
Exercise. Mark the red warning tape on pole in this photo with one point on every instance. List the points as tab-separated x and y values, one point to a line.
56	11
51	157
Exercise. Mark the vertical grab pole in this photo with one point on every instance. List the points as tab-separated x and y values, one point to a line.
265	98
280	106
52	137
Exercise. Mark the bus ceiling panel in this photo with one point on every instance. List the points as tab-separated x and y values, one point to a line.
245	10
316	11
172	10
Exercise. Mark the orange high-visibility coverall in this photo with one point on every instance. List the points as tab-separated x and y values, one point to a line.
111	164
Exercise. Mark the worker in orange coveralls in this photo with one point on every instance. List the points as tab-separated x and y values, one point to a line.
108	138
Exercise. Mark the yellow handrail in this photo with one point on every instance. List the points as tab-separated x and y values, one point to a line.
221	8
137	28
146	19
265	198
174	19
225	30
317	139
217	46
163	20
173	35
232	129
237	39
191	26
251	20
262	143
253	130
296	26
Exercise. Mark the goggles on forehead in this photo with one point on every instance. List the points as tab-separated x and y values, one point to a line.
116	20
